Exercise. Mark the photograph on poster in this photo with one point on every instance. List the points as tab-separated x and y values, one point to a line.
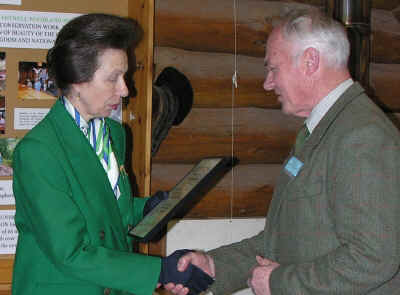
7	146
3	72
34	82
2	114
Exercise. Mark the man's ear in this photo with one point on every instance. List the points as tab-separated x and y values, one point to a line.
311	60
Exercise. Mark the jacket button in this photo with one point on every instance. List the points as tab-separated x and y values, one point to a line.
102	234
107	291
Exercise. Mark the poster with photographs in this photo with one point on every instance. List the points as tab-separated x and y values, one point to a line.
7	146
34	82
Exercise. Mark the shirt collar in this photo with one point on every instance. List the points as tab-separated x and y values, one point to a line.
325	104
79	120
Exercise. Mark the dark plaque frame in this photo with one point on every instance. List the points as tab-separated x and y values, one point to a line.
193	185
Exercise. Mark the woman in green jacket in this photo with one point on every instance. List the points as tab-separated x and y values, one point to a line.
74	204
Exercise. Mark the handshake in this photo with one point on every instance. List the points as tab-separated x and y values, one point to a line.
192	277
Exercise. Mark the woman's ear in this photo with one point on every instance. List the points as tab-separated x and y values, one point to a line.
74	92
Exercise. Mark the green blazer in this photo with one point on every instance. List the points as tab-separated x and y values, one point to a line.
335	227
72	230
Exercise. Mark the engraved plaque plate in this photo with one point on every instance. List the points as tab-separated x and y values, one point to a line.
190	187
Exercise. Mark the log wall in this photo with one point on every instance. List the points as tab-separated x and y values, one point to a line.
198	39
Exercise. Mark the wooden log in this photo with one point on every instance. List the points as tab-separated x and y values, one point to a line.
209	26
385	37
396	13
246	194
386	86
379	4
211	78
385	4
259	136
319	3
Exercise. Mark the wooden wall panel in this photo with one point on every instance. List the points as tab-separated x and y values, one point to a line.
211	73
198	39
246	190
208	26
259	136
385	45
180	26
211	77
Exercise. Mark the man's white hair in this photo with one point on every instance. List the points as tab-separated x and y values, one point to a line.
311	28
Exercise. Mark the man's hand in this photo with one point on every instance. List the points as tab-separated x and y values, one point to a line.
199	259
185	279
259	280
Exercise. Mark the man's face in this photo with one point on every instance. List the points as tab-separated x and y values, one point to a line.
284	75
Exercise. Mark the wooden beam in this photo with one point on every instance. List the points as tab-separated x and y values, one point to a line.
137	115
385	46
193	26
396	13
259	136
385	4
379	4
6	268
138	112
385	85
211	77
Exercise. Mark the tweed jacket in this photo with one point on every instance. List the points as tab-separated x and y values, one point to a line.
334	228
72	230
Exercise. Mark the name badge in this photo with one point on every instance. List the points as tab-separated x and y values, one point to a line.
293	166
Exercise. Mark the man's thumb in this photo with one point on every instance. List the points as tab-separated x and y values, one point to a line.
183	262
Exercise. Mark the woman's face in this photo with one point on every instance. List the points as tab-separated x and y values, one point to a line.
101	95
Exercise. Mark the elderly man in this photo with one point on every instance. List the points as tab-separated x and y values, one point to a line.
333	226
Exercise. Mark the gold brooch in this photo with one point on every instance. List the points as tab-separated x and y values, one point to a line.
122	170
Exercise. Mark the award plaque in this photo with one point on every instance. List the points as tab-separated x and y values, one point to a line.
203	175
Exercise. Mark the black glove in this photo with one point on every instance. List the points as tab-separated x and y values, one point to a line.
154	200
193	277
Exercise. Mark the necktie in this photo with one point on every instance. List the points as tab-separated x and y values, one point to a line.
301	138
99	138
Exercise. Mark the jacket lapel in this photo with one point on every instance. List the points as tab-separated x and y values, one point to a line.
125	201
86	166
347	97
284	180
